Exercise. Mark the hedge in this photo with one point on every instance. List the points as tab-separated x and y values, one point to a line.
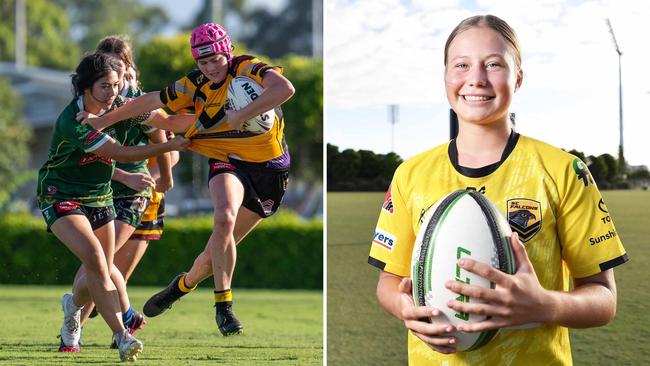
282	252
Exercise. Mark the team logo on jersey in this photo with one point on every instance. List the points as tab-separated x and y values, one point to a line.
601	206
51	190
582	172
388	202
65	206
384	239
524	217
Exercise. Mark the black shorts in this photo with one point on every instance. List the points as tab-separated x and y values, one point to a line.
152	224
130	209
263	187
53	210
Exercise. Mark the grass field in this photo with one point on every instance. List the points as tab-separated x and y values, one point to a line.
360	333
282	328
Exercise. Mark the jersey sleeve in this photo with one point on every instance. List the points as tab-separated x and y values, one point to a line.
83	136
392	242
178	95
254	68
590	243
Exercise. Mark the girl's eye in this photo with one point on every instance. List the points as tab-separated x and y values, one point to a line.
492	65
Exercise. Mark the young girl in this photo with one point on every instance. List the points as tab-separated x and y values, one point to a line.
135	191
75	197
564	210
248	171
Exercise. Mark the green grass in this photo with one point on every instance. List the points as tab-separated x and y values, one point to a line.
359	332
282	328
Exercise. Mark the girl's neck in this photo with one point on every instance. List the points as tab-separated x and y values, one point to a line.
90	105
481	145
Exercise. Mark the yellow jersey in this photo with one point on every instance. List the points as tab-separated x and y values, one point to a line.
549	199
211	135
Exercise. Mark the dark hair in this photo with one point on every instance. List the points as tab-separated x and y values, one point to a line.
92	68
495	23
119	45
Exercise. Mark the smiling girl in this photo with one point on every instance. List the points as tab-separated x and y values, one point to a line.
564	209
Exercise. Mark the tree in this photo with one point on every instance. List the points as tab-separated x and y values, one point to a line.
94	20
287	31
579	154
304	114
48	41
14	152
599	170
612	166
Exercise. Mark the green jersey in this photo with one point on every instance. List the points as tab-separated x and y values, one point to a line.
72	171
135	136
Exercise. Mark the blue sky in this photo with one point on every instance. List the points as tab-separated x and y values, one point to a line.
390	52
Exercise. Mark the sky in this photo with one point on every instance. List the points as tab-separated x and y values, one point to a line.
182	12
384	52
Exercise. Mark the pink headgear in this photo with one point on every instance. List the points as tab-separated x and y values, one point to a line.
208	39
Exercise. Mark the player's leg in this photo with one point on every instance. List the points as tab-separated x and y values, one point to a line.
129	256
202	267
76	233
184	283
123	230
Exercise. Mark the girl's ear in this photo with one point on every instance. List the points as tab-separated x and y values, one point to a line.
520	79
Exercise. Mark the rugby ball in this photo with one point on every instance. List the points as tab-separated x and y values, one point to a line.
241	92
462	224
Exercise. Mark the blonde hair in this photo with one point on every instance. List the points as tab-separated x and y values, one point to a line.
495	23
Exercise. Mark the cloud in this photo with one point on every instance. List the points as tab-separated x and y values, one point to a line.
390	52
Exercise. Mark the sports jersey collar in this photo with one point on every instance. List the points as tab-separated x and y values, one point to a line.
80	104
485	170
215	86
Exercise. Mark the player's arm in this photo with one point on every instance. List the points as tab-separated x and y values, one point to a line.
277	90
166	181
135	107
174	158
136	181
177	123
394	295
520	299
113	150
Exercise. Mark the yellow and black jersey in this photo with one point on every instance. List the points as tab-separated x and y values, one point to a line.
211	135
549	199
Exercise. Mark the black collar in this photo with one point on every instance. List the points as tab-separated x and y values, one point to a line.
485	170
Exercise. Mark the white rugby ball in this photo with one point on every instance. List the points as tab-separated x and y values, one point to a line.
462	224
241	92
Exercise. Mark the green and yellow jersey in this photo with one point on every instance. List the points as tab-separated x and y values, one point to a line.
549	199
72	171
211	135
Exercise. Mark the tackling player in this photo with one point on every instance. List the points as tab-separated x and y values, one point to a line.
74	195
560	202
248	172
132	183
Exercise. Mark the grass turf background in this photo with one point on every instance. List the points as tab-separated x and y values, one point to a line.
281	328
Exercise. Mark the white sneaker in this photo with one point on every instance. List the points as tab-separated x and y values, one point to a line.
129	347
71	328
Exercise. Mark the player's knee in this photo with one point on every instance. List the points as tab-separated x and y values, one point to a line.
96	265
224	220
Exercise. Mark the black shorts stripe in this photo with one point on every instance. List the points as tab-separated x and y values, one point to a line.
614	262
377	263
